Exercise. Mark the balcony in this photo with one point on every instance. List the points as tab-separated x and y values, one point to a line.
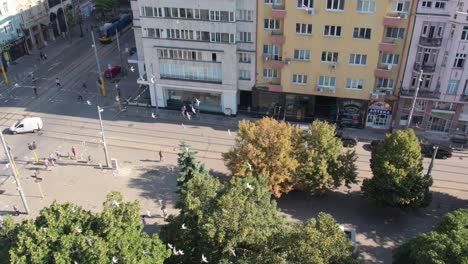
421	93
277	37
273	61
391	21
464	97
383	72
427	68
275	87
278	12
430	42
387	47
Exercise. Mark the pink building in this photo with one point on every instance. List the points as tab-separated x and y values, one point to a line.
439	47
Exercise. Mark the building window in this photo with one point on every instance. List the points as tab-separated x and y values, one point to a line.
244	75
327	81
459	60
354	83
426	4
152	32
244	15
384	83
365	6
303	55
464	35
273	2
306	4
332	31
271	51
395	33
221	37
329	56
453	86
299	79
245	57
389	58
5	8
270	73
271	24
440	5
358	59
305	29
245	37
362	33
399	6
335	5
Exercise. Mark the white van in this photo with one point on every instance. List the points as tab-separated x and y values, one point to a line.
28	124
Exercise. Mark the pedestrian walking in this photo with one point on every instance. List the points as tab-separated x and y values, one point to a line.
17	211
161	156
46	163
45	56
78	95
41	55
52	159
143	219
73	150
35	91
57	82
163	209
84	86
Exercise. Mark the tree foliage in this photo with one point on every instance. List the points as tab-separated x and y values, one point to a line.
266	147
448	243
188	165
217	219
397	173
65	233
289	158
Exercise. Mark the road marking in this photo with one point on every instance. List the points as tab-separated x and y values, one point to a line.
54	65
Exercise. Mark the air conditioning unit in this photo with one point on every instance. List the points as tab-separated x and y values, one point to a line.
311	11
389	66
320	89
375	96
333	66
287	61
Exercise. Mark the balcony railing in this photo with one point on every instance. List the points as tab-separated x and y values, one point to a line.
421	93
278	12
430	42
190	78
277	37
278	7
427	68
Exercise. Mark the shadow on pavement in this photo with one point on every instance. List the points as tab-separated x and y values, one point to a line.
382	229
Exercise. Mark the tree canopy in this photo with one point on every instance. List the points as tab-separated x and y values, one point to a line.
188	165
448	243
66	233
397	168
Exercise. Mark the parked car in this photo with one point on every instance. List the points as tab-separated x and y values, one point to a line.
112	71
443	152
28	124
375	143
348	142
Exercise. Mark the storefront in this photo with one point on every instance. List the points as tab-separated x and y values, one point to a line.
379	115
207	102
352	112
13	50
440	121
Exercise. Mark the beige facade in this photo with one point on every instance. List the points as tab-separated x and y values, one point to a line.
346	54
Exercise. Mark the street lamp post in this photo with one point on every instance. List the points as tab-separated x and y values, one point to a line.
431	165
117	33
103	138
410	116
15	175
101	79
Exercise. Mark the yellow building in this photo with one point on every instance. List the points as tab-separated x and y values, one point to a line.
339	60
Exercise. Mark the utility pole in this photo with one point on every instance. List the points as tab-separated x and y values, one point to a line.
410	116
429	170
5	77
15	175
103	138
155	91
103	88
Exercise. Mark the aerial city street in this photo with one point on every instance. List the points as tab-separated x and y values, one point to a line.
220	131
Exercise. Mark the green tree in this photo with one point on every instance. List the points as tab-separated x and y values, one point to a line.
323	165
72	19
266	148
397	173
188	165
448	243
64	233
319	241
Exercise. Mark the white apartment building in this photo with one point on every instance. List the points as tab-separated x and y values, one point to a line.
200	50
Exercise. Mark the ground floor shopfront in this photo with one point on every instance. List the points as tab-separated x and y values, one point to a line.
13	50
433	116
306	108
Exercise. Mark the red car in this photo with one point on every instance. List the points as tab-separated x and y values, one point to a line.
112	72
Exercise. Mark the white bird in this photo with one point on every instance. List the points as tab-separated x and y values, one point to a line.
148	213
115	203
183	125
152	79
232	252
115	259
132	69
175	252
224	210
78	230
160	202
249	186
186	149
229	132
74	262
89	241
88	102
184	227
250	166
73	209
203	259
152	115
7	165
181	252
145	254
44	229
170	246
